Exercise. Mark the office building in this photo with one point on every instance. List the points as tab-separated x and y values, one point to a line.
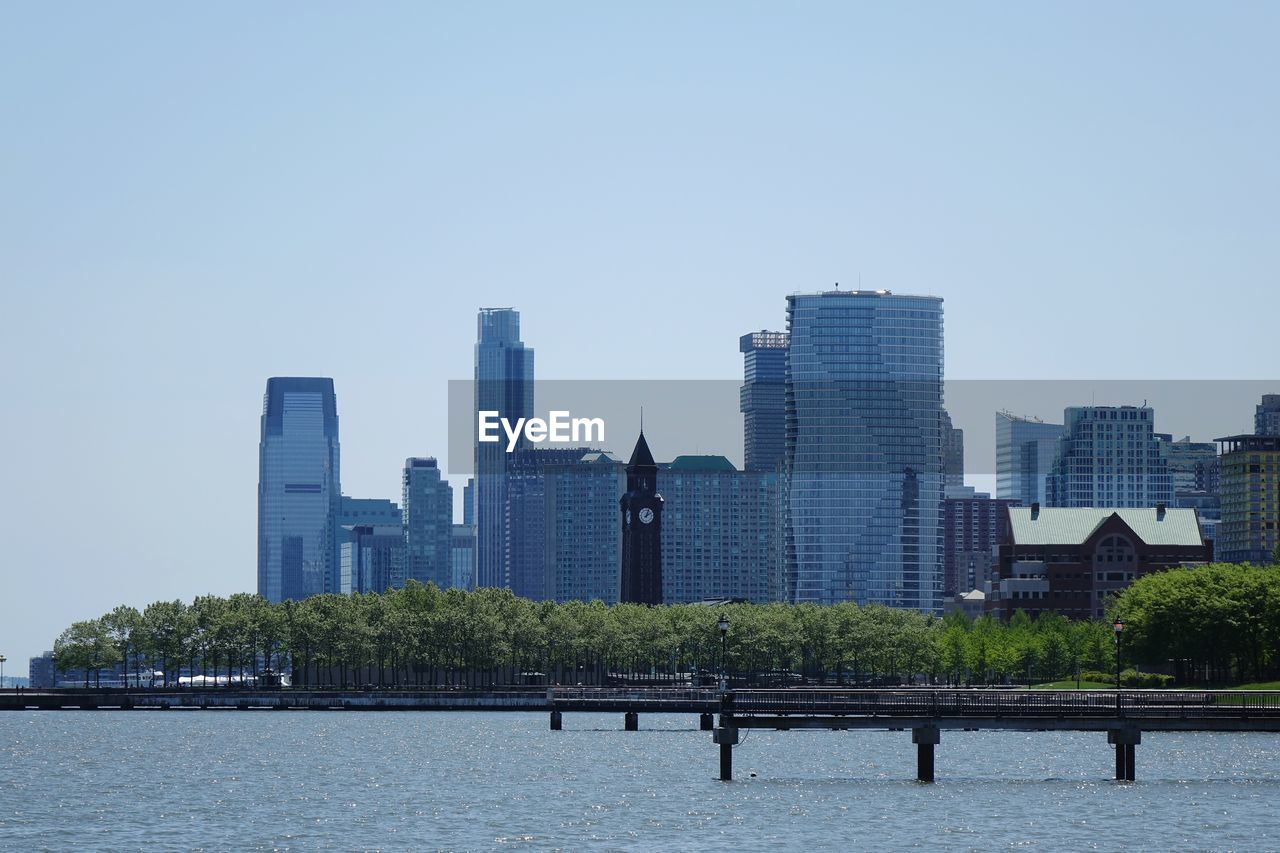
762	399
584	531
373	558
503	384
298	489
864	448
1025	450
41	672
973	525
464	556
952	453
1109	456
359	511
719	532
1250	498
427	516
1072	560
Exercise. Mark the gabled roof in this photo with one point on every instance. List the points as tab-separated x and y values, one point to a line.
1072	526
641	455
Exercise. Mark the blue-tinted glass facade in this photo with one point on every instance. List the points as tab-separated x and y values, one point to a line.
763	399
503	384
864	454
1025	450
298	489
427	500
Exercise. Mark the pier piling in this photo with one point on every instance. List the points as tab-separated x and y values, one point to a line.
557	721
631	721
1125	741
706	722
726	736
925	738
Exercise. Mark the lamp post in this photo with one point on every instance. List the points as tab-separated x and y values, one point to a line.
723	625
2	660
1118	627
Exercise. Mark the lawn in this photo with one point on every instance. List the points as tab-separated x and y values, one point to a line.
1070	684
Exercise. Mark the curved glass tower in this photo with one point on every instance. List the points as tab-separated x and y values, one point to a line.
864	449
298	489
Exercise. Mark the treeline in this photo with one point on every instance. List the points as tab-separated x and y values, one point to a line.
1215	623
423	636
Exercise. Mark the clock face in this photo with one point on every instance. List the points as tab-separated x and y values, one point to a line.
646	515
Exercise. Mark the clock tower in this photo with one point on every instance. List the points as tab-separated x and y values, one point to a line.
641	530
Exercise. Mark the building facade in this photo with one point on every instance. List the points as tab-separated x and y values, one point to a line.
864	451
503	384
525	517
1025	450
427	517
1109	456
763	399
584	530
374	558
360	511
974	524
1073	560
463	556
298	489
1266	419
719	532
1249	478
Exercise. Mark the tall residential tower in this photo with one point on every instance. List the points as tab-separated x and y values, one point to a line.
864	448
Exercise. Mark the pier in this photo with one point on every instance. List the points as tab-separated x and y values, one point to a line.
927	712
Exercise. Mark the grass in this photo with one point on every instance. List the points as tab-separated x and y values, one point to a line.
1070	684
1257	685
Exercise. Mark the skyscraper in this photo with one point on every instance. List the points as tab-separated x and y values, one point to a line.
427	501
864	448
1025	450
503	384
298	489
1250	488
641	530
373	557
584	529
952	452
1266	419
763	399
1109	456
357	512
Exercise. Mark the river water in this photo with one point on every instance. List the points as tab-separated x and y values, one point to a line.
216	780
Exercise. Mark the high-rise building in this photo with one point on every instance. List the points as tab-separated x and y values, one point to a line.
464	556
864	448
469	502
952	452
973	524
1250	498
1025	450
503	384
763	399
373	558
1266	420
641	508
1187	462
719	532
353	512
525	518
427	516
584	530
298	489
1109	456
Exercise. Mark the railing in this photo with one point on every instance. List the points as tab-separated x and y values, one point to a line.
1008	703
637	695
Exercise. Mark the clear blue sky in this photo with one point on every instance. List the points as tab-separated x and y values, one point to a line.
195	197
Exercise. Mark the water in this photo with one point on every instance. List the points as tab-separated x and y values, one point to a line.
211	780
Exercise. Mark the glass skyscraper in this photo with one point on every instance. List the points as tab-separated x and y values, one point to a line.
298	489
864	449
427	501
763	399
1025	450
503	384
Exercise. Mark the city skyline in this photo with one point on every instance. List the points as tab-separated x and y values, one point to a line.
195	202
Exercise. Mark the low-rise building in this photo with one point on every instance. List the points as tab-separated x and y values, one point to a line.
1072	560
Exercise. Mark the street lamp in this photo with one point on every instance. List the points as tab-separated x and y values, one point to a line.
724	633
2	660
1118	627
